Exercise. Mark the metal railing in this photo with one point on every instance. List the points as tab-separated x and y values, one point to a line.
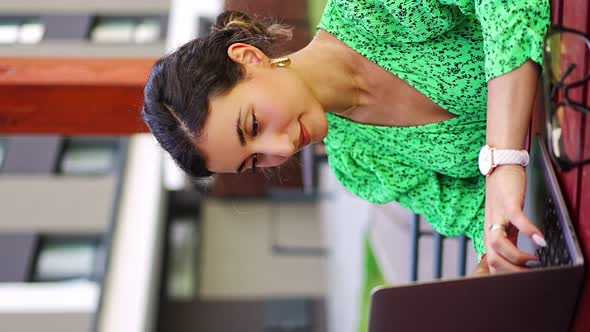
416	233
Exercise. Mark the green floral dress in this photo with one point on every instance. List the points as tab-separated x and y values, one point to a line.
447	50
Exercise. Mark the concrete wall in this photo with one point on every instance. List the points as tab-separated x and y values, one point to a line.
56	204
63	322
236	256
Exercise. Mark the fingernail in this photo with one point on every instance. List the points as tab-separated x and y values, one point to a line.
539	240
533	264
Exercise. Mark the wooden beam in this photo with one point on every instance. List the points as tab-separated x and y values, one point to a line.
72	96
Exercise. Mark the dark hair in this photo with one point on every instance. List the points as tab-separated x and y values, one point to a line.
176	95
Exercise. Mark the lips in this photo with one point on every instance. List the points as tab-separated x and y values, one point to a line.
303	136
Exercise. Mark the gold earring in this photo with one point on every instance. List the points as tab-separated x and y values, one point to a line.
280	62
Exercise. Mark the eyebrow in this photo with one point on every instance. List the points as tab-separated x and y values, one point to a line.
240	133
239	129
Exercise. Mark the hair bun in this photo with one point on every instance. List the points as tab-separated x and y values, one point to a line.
241	26
229	17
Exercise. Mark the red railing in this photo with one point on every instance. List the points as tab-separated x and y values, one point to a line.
576	183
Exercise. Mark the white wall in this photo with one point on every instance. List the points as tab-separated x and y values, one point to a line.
345	219
183	19
64	307
132	278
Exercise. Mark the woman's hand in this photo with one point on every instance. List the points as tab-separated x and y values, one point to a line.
482	268
505	191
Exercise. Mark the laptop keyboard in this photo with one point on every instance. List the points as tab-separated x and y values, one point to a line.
556	252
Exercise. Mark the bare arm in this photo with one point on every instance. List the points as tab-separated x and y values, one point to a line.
510	103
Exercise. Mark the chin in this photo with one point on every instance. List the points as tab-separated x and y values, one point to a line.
317	125
321	132
317	138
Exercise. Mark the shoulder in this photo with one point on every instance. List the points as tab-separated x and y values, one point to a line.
393	20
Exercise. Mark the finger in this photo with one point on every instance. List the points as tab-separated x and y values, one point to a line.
512	232
498	264
502	245
482	268
524	225
493	231
505	248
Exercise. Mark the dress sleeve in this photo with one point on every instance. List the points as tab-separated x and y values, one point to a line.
513	32
423	20
453	206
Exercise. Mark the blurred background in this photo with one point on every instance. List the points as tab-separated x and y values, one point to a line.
104	233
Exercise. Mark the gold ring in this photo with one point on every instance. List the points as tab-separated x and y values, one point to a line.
494	227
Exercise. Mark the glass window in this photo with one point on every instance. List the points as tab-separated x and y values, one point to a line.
9	30
66	258
2	150
88	157
147	31
23	30
182	259
123	30
113	30
31	31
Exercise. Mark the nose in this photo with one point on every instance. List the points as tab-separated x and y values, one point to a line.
274	149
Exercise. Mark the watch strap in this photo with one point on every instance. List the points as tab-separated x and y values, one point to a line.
509	157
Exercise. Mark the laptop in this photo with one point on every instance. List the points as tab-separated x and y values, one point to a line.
542	299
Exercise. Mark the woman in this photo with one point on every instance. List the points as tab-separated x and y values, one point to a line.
397	91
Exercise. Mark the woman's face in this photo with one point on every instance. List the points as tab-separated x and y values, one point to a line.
269	115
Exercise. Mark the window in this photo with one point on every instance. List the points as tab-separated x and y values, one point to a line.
87	156
126	30
2	151
21	30
182	259
66	257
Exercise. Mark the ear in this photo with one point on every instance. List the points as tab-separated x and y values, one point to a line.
246	55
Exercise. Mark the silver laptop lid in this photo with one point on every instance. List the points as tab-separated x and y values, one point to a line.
546	208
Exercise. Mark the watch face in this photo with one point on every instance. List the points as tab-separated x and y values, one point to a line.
485	160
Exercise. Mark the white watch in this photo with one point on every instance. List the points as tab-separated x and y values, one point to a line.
490	158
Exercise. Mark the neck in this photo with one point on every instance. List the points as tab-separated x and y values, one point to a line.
327	67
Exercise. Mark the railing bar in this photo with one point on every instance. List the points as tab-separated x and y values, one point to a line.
462	256
438	255
414	251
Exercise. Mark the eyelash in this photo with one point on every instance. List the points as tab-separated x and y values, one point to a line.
254	133
254	125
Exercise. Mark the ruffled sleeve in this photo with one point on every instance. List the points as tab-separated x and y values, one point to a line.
513	32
